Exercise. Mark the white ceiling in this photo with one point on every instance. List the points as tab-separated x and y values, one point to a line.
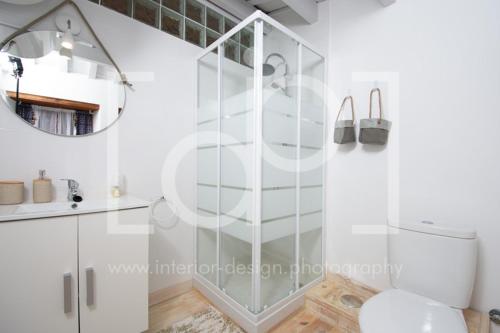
307	10
304	10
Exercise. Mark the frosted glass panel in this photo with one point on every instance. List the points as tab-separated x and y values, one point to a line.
278	203
237	228
206	233
207	88
279	128
311	193
279	93
311	167
236	253
279	122
279	166
238	127
207	166
277	278
311	199
236	177
237	166
207	249
311	134
236	203
207	198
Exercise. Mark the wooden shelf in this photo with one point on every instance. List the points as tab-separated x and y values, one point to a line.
54	102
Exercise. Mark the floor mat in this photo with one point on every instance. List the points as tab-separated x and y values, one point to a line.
208	321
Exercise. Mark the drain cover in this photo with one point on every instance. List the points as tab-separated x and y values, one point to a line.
351	301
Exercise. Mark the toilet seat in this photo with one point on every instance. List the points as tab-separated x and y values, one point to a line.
399	311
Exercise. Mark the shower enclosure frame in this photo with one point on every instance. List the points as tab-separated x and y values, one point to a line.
270	316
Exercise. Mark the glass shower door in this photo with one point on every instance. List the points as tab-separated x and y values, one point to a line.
311	166
207	173
236	167
279	167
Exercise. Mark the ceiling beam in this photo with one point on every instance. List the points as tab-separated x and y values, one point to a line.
279	11
307	9
240	9
386	3
257	2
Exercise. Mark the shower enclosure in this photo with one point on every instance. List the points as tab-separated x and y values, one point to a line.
260	170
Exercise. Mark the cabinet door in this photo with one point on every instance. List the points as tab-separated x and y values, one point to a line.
35	256
113	273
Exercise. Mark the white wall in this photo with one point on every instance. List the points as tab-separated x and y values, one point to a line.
158	113
444	143
446	54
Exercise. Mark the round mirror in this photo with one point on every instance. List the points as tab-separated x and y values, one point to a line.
23	2
60	84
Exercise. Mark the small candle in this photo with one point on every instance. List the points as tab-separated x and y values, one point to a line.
115	191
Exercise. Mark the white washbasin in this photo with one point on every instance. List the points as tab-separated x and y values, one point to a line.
33	210
47	207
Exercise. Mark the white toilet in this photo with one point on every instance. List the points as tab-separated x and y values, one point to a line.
438	268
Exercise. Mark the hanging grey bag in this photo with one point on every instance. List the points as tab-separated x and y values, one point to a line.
374	131
344	129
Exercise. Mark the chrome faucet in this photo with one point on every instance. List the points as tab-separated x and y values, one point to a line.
73	190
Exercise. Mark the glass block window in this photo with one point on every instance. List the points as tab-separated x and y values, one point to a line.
189	20
215	21
195	11
195	33
121	6
175	5
212	36
246	38
147	12
246	56
231	50
228	25
172	23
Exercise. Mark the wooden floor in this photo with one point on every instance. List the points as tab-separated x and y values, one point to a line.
305	321
176	309
167	313
322	311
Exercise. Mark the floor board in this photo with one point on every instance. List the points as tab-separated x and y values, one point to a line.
304	321
165	314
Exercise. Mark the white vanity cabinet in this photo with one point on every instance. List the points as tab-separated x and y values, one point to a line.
113	273
75	274
35	255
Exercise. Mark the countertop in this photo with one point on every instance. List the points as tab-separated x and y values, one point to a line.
51	209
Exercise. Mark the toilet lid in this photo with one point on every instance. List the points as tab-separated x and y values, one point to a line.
397	311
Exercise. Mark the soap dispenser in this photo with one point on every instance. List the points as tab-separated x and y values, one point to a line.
42	188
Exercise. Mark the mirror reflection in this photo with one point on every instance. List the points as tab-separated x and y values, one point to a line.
60	84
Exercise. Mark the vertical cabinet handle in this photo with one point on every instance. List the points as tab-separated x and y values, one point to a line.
89	274
68	302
